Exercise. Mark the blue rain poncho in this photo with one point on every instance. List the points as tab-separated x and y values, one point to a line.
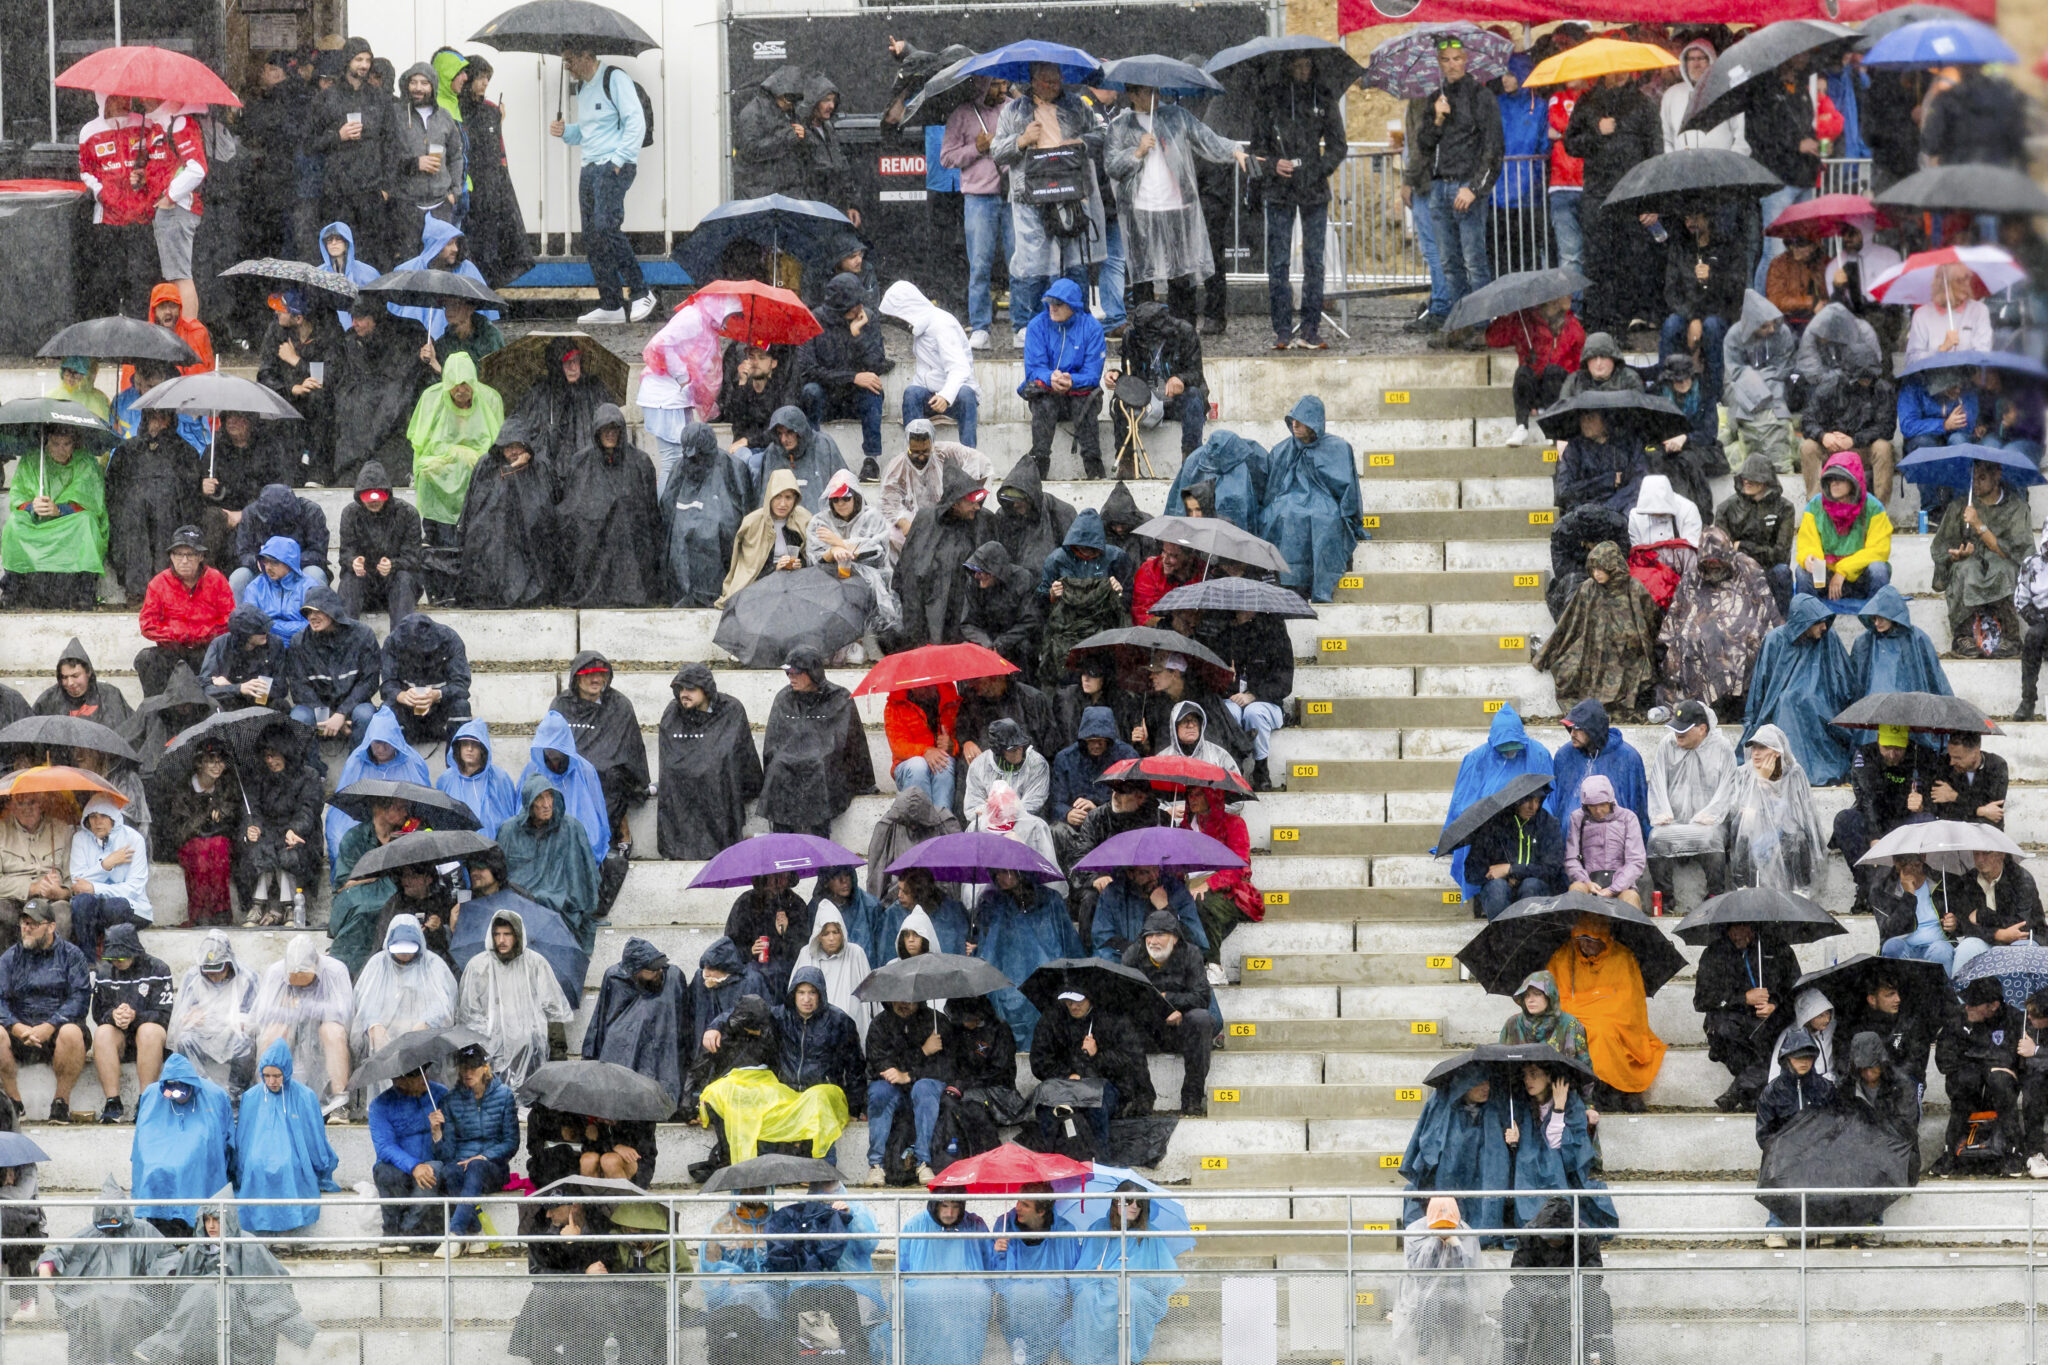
734	1250
1237	469
577	781
1033	1312
945	1321
1312	507
1021	930
1798	685
434	238
551	862
281	1150
1611	757
1507	753
359	271
1091	1335
405	766
1462	1146
491	795
1543	1169
181	1151
1902	659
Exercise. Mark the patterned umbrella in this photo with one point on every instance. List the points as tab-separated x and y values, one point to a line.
2021	969
520	365
1406	66
296	275
1911	281
1234	594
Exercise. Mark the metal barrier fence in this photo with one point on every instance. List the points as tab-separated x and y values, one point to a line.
1312	1278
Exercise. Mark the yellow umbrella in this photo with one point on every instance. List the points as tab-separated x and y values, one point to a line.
1599	57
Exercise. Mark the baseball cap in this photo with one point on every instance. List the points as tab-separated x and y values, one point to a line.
40	909
1686	716
1894	736
188	538
1072	995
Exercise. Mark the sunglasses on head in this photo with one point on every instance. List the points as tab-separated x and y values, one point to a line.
1450	44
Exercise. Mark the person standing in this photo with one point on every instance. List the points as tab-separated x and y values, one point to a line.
351	130
1047	116
497	228
428	147
113	162
1150	152
609	127
1613	127
969	132
1461	142
1299	138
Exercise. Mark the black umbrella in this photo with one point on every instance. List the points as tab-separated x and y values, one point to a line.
1927	712
1692	178
28	417
1226	593
772	615
119	338
1507	1054
603	1090
1512	294
766	1172
1780	915
1650	417
427	846
1833	1148
1216	538
1503	953
1457	833
414	1051
930	976
430	288
1167	75
597	1189
297	275
1146	640
803	228
1747	65
948	89
1967	189
548	26
237	729
1924	987
217	391
1263	61
1110	986
436	809
1878	25
68	732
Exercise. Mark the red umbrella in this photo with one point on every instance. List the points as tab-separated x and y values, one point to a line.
1825	216
153	73
1167	771
1007	1170
767	316
932	666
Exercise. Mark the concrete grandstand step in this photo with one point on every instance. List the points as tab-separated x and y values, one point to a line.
1403	712
1324	1101
1384	650
1478	524
1370	775
1376	467
1361	904
1321	1170
1365	840
1437	588
1353	969
1332	1034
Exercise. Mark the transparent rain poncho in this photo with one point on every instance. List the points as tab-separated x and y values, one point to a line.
401	996
210	1022
511	1001
296	1013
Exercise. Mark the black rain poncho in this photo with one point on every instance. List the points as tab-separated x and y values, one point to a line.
932	590
607	730
551	861
1034	534
510	532
709	770
562	417
100	701
375	381
815	757
701	507
767	155
152	489
611	533
638	1026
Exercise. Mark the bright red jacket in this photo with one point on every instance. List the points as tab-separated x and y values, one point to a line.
109	152
1229	830
173	614
1566	171
1149	586
1529	333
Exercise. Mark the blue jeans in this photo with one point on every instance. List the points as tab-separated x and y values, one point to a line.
1861	589
417	1220
1262	718
358	719
965	409
1496	895
1941	951
480	1177
988	230
1712	328
1098	1119
1026	291
1781	585
1113	275
915	772
822	407
1425	242
924	1111
601	194
1279	251
1460	241
1565	229
1772	206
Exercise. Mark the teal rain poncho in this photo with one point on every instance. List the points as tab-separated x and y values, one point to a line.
1799	685
1458	1145
1091	1336
281	1150
181	1151
1312	510
551	861
1901	659
1022	930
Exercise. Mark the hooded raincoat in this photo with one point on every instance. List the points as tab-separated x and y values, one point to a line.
509	533
1900	659
296	1013
552	861
610	524
1462	1145
607	731
577	780
814	756
701	506
1605	994
210	1021
401	996
1774	838
946	1317
104	1320
1756	367
813	463
101	701
640	1026
435	235
762	539
542	934
1799	685
1507	753
181	1151
73	538
489	792
1682	783
1030	522
1609	755
1091	1338
448	440
376	381
1235	468
281	1149
709	769
1983	578
403	766
1312	509
1717	623
1605	644
840	972
935	593
511	999
1017	932
1034	251
562	417
358	271
1551	1026
866	535
1159	204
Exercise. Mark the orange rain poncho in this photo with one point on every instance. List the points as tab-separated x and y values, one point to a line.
1605	994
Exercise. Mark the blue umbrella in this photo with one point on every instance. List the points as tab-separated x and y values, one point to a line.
802	228
1013	61
545	934
1940	42
1164	74
2021	969
2009	361
1949	466
1166	1215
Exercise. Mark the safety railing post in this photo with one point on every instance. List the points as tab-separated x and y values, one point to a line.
223	1322
675	1294
1804	1253
900	1313
1350	1285
1578	1301
447	1285
2027	1288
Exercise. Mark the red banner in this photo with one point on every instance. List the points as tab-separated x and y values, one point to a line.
1357	14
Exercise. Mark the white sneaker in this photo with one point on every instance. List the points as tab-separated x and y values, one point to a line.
876	1176
979	341
1019	338
1775	1241
2037	1166
25	1313
603	317
925	1174
1217	976
1519	436
643	306
334	1106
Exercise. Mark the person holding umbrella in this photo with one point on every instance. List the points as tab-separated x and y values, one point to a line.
1614	127
608	128
1743	992
1601	985
1976	551
53	544
1517	854
1954	318
1046	115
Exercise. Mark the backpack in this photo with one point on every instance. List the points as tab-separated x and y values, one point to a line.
646	105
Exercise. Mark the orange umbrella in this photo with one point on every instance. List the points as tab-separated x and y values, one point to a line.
1599	57
54	777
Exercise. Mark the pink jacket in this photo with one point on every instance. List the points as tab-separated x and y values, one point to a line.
1611	845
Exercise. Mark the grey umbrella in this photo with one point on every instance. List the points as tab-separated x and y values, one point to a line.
547	26
1262	61
429	288
947	90
770	616
1927	712
1216	538
90	432
1878	25
214	391
1967	189
120	338
1741	70
930	976
1167	75
1458	832
68	732
603	1090
1225	593
766	1172
1780	915
1675	182
414	1051
1506	1054
439	809
296	274
1512	294
427	846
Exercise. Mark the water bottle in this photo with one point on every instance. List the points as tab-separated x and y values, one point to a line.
1017	1352
1923	521
611	1350
1659	232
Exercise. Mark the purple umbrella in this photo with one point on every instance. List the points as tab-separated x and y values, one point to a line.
1162	846
1406	66
766	854
972	855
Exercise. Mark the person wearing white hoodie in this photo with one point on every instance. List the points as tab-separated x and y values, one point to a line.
113	860
844	963
1695	59
944	381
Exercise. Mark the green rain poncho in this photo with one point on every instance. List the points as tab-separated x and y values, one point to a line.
447	441
73	541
